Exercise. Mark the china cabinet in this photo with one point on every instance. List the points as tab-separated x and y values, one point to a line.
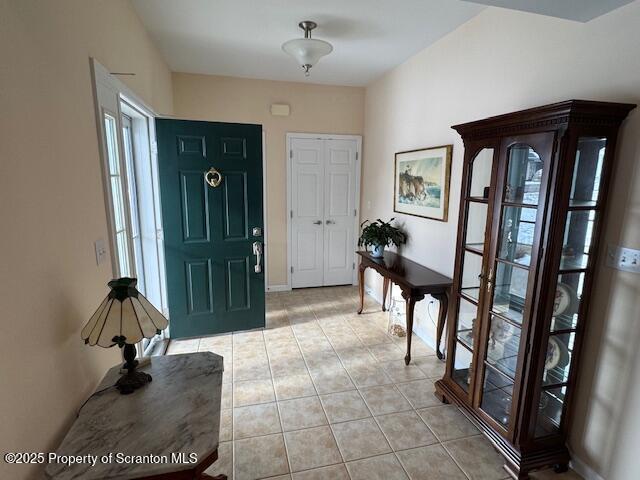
534	189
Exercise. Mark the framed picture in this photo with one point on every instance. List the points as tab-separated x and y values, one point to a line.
422	182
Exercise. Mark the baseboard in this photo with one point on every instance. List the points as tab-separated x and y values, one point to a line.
278	288
582	469
419	332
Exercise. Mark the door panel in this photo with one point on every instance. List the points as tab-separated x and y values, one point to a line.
307	205
212	285
518	211
339	211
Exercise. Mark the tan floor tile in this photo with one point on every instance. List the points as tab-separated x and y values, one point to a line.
369	376
447	422
279	477
405	430
344	406
332	381
400	372
227	396
387	351
430	366
294	386
255	420
384	467
226	425
334	472
420	393
360	439
477	458
285	367
251	370
224	464
312	448
384	399
300	413
252	392
260	457
430	463
322	360
189	345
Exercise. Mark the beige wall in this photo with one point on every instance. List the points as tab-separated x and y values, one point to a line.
498	62
52	207
314	109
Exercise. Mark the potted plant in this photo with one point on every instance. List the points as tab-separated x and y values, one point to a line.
378	235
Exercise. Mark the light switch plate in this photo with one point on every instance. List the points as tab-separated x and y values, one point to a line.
625	259
101	250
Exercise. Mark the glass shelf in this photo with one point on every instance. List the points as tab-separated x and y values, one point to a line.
550	411
497	394
524	175
462	366
517	233
503	346
467	315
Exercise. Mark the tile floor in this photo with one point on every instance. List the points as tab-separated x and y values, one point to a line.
323	393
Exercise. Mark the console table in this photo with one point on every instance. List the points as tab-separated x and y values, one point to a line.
415	281
177	413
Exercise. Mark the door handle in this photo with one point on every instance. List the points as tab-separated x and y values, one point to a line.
331	222
257	251
318	222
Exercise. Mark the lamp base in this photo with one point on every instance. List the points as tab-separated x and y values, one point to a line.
131	381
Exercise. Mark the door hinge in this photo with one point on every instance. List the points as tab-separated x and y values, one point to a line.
291	269
290	153
154	147
290	213
356	155
353	267
355	212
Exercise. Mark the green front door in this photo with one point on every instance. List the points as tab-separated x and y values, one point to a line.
211	190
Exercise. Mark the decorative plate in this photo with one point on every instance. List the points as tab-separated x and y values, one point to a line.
557	354
565	300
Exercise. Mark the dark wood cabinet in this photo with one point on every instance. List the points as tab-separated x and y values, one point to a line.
534	190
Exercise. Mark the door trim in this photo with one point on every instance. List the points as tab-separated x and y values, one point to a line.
320	136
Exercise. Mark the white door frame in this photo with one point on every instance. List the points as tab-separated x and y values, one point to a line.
356	219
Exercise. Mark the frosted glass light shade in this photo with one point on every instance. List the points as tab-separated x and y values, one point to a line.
307	51
124	316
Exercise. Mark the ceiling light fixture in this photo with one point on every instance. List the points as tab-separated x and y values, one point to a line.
307	51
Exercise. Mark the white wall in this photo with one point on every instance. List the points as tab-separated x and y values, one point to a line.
52	206
499	62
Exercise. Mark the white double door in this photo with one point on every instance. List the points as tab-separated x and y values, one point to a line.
323	211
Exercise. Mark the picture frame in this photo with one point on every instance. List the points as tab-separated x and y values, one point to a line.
421	182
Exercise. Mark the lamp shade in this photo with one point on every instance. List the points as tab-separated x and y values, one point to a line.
307	51
125	316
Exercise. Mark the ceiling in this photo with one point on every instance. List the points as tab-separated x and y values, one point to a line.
579	10
243	37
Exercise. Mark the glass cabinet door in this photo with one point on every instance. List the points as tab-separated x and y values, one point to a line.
510	274
573	267
476	209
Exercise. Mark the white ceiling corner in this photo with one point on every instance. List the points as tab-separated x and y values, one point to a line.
578	10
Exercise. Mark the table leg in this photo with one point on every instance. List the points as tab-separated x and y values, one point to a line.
385	291
443	298
410	306
361	270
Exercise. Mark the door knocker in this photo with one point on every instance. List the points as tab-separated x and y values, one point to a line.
213	177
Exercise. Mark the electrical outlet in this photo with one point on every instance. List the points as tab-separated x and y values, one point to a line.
625	259
101	250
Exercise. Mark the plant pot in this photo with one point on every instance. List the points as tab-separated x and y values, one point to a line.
377	251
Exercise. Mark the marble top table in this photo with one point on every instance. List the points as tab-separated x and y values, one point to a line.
177	413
